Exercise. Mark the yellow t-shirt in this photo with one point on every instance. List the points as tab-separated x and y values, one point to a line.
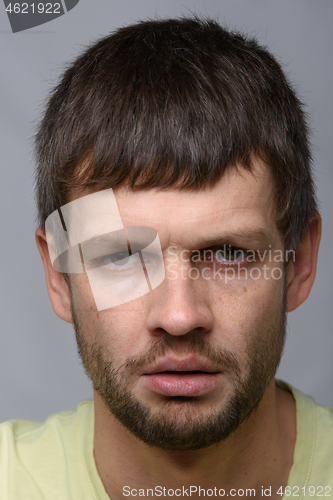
54	460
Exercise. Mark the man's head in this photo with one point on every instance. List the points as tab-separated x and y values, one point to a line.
200	137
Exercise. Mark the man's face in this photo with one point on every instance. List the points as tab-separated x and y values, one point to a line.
184	365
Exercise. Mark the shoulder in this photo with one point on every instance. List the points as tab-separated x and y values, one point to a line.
313	465
32	453
25	431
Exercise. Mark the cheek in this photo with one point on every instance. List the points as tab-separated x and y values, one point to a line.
245	310
121	332
117	329
82	298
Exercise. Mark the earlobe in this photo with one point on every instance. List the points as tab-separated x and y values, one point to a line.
301	269
56	285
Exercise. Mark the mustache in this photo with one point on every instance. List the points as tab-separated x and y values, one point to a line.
218	357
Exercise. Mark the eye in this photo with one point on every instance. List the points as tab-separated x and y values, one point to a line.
229	254
119	258
120	261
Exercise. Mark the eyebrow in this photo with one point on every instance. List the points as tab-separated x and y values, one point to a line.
255	237
105	243
119	241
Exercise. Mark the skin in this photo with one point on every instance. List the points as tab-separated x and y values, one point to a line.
232	317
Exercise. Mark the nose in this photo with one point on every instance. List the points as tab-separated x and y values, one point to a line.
179	306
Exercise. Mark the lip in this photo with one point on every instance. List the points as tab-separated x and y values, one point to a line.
190	376
190	363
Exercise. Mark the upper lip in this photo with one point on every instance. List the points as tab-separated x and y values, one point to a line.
173	364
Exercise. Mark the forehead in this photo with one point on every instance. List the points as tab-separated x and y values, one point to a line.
240	200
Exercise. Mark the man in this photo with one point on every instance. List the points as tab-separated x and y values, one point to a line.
178	225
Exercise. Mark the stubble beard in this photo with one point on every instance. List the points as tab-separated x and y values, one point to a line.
180	423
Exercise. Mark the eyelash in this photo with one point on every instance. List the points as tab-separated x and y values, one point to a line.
112	262
228	263
131	261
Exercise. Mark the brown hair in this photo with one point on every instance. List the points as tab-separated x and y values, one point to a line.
173	103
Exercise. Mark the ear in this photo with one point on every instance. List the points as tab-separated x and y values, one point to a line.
301	269
56	285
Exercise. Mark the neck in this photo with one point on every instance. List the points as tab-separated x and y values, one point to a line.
257	456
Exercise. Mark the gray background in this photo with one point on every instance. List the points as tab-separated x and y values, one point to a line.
39	369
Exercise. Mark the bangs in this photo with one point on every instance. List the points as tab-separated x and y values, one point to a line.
166	125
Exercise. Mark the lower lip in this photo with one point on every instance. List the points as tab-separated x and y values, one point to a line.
189	384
